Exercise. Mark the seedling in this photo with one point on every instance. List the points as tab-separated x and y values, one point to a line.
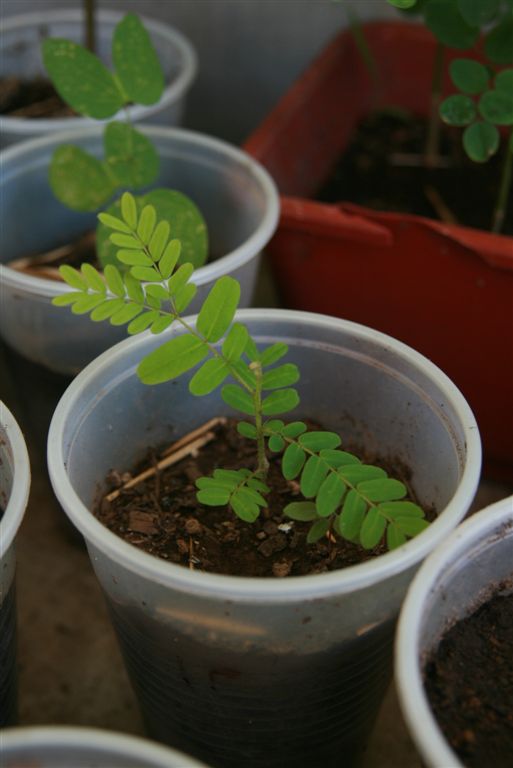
85	183
485	101
342	495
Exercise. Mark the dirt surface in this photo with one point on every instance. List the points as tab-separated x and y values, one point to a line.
383	169
469	683
31	98
163	517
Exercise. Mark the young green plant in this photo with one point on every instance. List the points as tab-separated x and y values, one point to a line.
341	495
83	182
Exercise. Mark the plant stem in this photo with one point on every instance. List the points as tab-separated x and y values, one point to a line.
432	147
507	171
263	464
90	30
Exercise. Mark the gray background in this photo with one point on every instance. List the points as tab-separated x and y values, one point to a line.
249	51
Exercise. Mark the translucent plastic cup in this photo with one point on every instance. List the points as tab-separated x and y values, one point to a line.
453	582
14	491
74	747
20	52
254	671
236	196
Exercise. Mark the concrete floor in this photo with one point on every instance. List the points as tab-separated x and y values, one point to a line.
71	671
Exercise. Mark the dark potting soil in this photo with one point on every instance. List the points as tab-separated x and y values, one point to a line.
469	684
163	517
31	98
377	171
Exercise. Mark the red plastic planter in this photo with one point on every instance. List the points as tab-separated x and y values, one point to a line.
445	290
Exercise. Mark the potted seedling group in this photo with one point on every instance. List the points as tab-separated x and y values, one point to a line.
253	568
430	277
223	205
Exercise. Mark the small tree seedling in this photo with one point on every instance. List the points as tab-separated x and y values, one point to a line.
485	101
341	495
84	182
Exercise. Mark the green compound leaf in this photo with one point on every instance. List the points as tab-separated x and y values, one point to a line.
317	531
497	107
498	47
294	429
169	258
218	309
210	376
402	4
247	430
243	507
186	221
314	472
129	210
131	157
235	342
504	81
357	473
283	376
147	221
448	25
143	322
93	278
469	76
481	140
213	497
395	537
273	353
292	462
159	240
330	495
478	12
136	62
238	398
172	359
317	441
350	520
276	443
382	489
281	401
458	110
373	528
411	526
337	459
124	315
301	510
78	179
81	79
73	277
105	310
65	299
393	509
114	280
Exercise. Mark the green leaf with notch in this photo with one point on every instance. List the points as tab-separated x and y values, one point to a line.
81	79
481	140
136	62
131	158
78	179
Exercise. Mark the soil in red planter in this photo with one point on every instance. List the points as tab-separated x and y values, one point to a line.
163	517
382	169
469	683
31	98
